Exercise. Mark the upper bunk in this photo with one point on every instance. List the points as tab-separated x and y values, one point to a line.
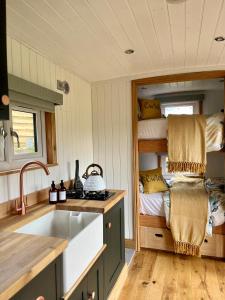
156	101
152	134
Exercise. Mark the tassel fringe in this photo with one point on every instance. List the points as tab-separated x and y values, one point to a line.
187	249
186	167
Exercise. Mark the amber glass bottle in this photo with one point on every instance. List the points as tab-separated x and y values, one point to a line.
62	192
53	193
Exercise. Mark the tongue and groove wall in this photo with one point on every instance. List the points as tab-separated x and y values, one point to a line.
73	120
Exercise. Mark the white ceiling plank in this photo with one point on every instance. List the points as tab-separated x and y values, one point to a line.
177	17
159	12
73	20
17	18
45	17
127	20
194	16
211	15
144	21
110	20
74	37
217	48
37	37
89	37
199	86
95	25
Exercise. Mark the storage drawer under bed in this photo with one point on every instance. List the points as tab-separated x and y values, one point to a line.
161	239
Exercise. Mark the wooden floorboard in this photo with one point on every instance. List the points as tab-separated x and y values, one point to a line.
162	275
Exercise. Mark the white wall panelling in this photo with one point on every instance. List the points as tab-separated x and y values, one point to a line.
73	120
111	106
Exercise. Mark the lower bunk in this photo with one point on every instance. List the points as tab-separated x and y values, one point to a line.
154	234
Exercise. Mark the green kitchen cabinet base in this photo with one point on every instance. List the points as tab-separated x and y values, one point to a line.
101	278
48	284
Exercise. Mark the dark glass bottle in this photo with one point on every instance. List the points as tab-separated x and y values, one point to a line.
62	192
53	193
78	185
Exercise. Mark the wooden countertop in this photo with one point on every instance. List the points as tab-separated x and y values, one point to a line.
14	222
92	205
24	256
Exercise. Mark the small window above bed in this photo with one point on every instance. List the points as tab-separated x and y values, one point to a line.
179	108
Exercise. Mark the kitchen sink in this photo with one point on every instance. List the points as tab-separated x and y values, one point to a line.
84	232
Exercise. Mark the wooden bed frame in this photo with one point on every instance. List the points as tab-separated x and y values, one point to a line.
151	231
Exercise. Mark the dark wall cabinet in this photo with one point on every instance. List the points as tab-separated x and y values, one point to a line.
47	284
4	109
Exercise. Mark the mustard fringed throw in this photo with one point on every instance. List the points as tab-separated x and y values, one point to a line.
186	143
188	217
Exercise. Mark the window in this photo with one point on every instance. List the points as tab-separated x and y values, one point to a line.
26	132
22	138
179	108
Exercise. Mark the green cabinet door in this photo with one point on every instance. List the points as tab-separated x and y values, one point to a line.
114	255
80	292
95	289
47	284
91	287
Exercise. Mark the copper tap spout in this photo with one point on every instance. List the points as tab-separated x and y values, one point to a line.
21	207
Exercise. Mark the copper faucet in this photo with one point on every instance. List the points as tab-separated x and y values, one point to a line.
21	207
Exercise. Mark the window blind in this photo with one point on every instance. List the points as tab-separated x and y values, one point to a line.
27	94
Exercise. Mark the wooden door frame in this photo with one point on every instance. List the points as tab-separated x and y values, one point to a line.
134	89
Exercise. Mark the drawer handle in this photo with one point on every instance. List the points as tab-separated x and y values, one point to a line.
40	298
109	225
205	241
158	235
91	296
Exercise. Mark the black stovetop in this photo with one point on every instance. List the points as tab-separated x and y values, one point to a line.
99	196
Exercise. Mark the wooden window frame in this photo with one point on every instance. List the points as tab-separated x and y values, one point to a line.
134	92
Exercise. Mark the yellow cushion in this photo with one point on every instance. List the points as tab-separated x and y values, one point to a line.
150	109
153	181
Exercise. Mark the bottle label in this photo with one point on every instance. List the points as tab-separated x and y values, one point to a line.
53	197
62	195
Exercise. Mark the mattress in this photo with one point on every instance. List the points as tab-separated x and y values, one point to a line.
152	204
152	129
158	204
157	129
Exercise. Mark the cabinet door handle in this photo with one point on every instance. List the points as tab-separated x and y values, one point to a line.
40	298
109	225
158	235
91	296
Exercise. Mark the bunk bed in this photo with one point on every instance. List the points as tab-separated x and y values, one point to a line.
153	230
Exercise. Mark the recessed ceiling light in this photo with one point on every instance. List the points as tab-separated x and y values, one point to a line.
129	51
219	39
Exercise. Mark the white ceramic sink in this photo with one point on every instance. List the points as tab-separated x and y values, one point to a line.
83	230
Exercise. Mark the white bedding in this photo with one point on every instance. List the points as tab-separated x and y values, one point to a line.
152	129
152	204
157	129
